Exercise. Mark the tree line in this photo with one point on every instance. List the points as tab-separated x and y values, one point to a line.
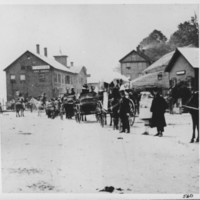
156	44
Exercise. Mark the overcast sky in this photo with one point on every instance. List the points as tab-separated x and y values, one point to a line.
95	36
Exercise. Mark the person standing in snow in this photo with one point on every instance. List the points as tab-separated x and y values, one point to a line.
158	107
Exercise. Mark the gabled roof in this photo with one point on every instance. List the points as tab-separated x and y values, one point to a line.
52	62
147	80
139	57
76	69
191	54
160	63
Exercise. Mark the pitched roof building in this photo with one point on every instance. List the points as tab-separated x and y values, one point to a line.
31	74
155	74
133	64
184	66
179	65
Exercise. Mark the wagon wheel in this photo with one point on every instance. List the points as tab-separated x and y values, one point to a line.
132	112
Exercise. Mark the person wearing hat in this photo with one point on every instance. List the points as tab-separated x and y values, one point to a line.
124	112
92	91
85	89
158	107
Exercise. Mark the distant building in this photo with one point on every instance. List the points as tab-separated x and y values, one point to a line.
155	75
133	64
184	66
31	74
179	65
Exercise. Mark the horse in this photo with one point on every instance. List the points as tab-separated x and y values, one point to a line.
38	104
193	107
19	107
190	102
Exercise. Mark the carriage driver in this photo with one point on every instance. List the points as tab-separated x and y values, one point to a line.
124	112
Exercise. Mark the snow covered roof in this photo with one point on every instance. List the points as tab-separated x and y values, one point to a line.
147	80
53	63
76	69
135	56
162	62
191	54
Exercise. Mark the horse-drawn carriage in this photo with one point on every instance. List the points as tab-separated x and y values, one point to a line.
87	104
111	107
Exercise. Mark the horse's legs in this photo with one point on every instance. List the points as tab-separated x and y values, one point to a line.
105	119
197	125
111	119
193	126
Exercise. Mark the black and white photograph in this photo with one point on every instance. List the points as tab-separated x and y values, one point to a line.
100	99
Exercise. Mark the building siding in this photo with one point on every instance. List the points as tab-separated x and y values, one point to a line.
38	81
133	64
133	69
180	65
32	85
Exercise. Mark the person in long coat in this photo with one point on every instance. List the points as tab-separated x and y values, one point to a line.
124	112
158	108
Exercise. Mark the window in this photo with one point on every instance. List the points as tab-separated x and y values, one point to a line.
182	72
128	68
22	77
55	78
23	67
67	79
41	78
59	78
160	76
12	77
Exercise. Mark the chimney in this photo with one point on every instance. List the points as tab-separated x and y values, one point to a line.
72	64
138	48
37	48
45	52
61	59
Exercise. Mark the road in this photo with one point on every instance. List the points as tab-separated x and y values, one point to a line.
62	156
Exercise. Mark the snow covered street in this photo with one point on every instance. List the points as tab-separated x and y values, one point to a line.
53	155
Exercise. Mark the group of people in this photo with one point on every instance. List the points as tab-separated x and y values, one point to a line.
119	103
118	100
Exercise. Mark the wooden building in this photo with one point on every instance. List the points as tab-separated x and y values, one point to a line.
133	64
31	74
155	75
184	67
176	66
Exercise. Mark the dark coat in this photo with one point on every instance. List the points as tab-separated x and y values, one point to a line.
124	107
158	108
